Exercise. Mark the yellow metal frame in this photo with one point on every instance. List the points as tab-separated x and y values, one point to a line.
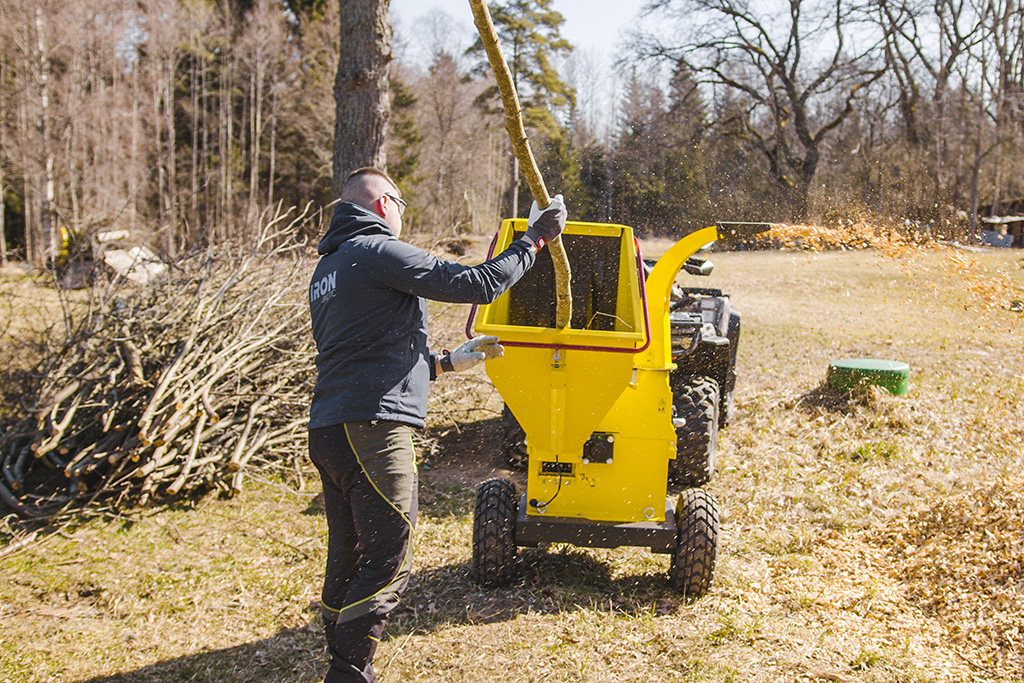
565	385
630	329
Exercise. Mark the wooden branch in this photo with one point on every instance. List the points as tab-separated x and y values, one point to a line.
190	458
521	148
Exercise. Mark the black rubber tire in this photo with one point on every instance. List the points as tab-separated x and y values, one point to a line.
513	442
494	530
726	409
695	402
692	567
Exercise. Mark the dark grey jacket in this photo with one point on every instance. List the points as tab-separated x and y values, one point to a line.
368	303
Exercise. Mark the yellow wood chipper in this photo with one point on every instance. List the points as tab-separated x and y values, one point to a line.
595	401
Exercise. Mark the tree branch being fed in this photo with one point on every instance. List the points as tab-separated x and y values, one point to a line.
521	148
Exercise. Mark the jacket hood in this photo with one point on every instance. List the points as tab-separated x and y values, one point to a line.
348	221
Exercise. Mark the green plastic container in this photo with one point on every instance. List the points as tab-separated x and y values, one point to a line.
891	375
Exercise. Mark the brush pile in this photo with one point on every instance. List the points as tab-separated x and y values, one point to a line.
174	386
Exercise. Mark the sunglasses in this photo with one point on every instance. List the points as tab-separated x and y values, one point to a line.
398	200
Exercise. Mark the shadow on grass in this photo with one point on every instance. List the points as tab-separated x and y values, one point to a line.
825	398
294	655
560	579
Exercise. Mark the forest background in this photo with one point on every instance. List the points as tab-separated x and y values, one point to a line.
183	121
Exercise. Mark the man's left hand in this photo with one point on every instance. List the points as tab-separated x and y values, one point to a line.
471	353
543	226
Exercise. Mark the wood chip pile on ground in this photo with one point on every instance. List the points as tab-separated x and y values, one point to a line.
962	561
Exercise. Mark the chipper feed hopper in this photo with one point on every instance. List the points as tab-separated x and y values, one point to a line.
595	402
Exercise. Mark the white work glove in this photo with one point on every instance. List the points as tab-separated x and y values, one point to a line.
544	226
471	353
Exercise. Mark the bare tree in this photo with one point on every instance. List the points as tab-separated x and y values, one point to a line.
934	40
3	154
966	54
798	70
362	93
200	23
32	39
1002	76
264	47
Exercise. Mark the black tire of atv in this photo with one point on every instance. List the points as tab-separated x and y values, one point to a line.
513	442
692	567
494	528
727	409
696	402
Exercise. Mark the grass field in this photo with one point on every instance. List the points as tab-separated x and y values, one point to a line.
864	538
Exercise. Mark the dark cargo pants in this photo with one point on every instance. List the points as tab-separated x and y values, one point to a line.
368	470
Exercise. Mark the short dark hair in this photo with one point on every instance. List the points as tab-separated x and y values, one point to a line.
365	185
368	170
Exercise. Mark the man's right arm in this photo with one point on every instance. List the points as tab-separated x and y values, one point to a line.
415	271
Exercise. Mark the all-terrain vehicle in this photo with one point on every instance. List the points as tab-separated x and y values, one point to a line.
705	331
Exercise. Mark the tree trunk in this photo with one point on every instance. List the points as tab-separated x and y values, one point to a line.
204	168
225	144
272	152
30	243
3	188
256	80
158	138
172	165
362	93
46	153
3	206
975	175
195	89
135	176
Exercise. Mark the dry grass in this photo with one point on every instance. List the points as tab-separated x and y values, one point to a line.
865	538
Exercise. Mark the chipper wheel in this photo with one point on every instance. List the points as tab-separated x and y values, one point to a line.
693	563
494	528
513	441
695	402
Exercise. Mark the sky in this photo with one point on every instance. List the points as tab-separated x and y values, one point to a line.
594	28
590	25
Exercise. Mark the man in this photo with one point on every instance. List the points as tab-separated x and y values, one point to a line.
367	300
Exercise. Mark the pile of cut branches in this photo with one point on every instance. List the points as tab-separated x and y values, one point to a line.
178	385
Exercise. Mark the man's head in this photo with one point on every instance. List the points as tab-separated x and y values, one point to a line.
375	191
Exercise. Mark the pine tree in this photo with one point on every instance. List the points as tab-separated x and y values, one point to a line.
639	165
530	34
685	203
